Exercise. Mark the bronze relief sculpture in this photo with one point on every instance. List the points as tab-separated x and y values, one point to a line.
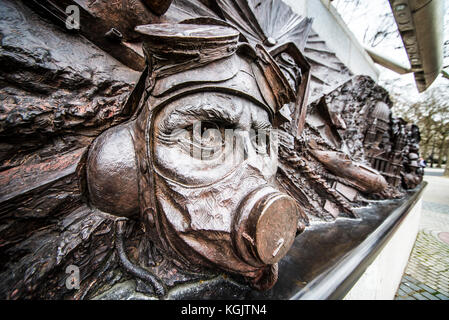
203	156
222	209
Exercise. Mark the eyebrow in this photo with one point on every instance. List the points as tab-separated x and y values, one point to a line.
219	108
204	111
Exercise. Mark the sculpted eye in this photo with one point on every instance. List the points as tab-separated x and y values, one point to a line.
202	140
210	137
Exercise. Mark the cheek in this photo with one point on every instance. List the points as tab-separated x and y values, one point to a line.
178	165
212	207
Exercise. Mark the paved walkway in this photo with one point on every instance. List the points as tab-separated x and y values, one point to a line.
426	276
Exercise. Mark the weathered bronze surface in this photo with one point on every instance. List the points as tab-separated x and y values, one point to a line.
211	145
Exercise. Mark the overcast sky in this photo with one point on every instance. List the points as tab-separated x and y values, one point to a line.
365	17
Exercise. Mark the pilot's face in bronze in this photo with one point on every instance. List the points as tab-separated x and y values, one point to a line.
201	138
215	161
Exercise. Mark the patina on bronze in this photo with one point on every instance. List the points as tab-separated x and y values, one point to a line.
227	213
119	166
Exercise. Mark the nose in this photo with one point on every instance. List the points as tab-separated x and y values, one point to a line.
265	159
265	226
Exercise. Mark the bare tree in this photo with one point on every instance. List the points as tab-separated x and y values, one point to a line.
446	171
355	11
373	24
431	113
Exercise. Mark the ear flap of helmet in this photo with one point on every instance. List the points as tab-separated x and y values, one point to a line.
296	69
111	172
